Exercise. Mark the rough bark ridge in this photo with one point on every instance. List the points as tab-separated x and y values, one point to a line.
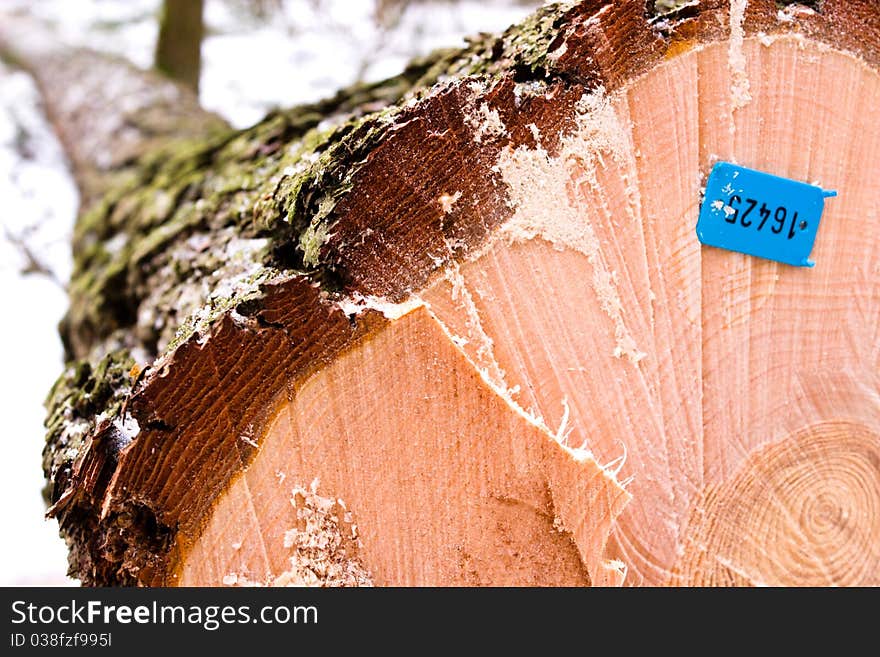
217	263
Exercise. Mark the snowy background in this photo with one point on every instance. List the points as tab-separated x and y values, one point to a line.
316	46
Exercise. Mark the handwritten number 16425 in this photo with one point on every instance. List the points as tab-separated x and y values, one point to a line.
745	215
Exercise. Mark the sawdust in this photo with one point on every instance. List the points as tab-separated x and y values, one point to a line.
324	543
538	191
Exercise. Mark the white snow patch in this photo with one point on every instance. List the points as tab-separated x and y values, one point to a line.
39	204
303	52
790	13
536	133
247	439
559	52
310	49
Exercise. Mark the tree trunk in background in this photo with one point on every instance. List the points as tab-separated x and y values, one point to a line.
179	48
456	327
108	113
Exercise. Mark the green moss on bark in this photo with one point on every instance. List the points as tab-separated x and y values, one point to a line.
81	395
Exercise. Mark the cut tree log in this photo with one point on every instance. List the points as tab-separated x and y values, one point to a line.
457	328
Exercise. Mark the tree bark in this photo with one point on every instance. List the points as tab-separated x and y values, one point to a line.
107	112
456	328
179	48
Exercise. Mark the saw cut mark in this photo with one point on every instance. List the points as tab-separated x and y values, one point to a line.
790	399
544	328
766	324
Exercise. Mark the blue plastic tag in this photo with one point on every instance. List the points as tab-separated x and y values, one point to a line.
761	214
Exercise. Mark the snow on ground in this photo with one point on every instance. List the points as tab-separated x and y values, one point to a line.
311	48
37	203
302	52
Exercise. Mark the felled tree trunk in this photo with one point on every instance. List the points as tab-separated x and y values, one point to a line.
456	328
